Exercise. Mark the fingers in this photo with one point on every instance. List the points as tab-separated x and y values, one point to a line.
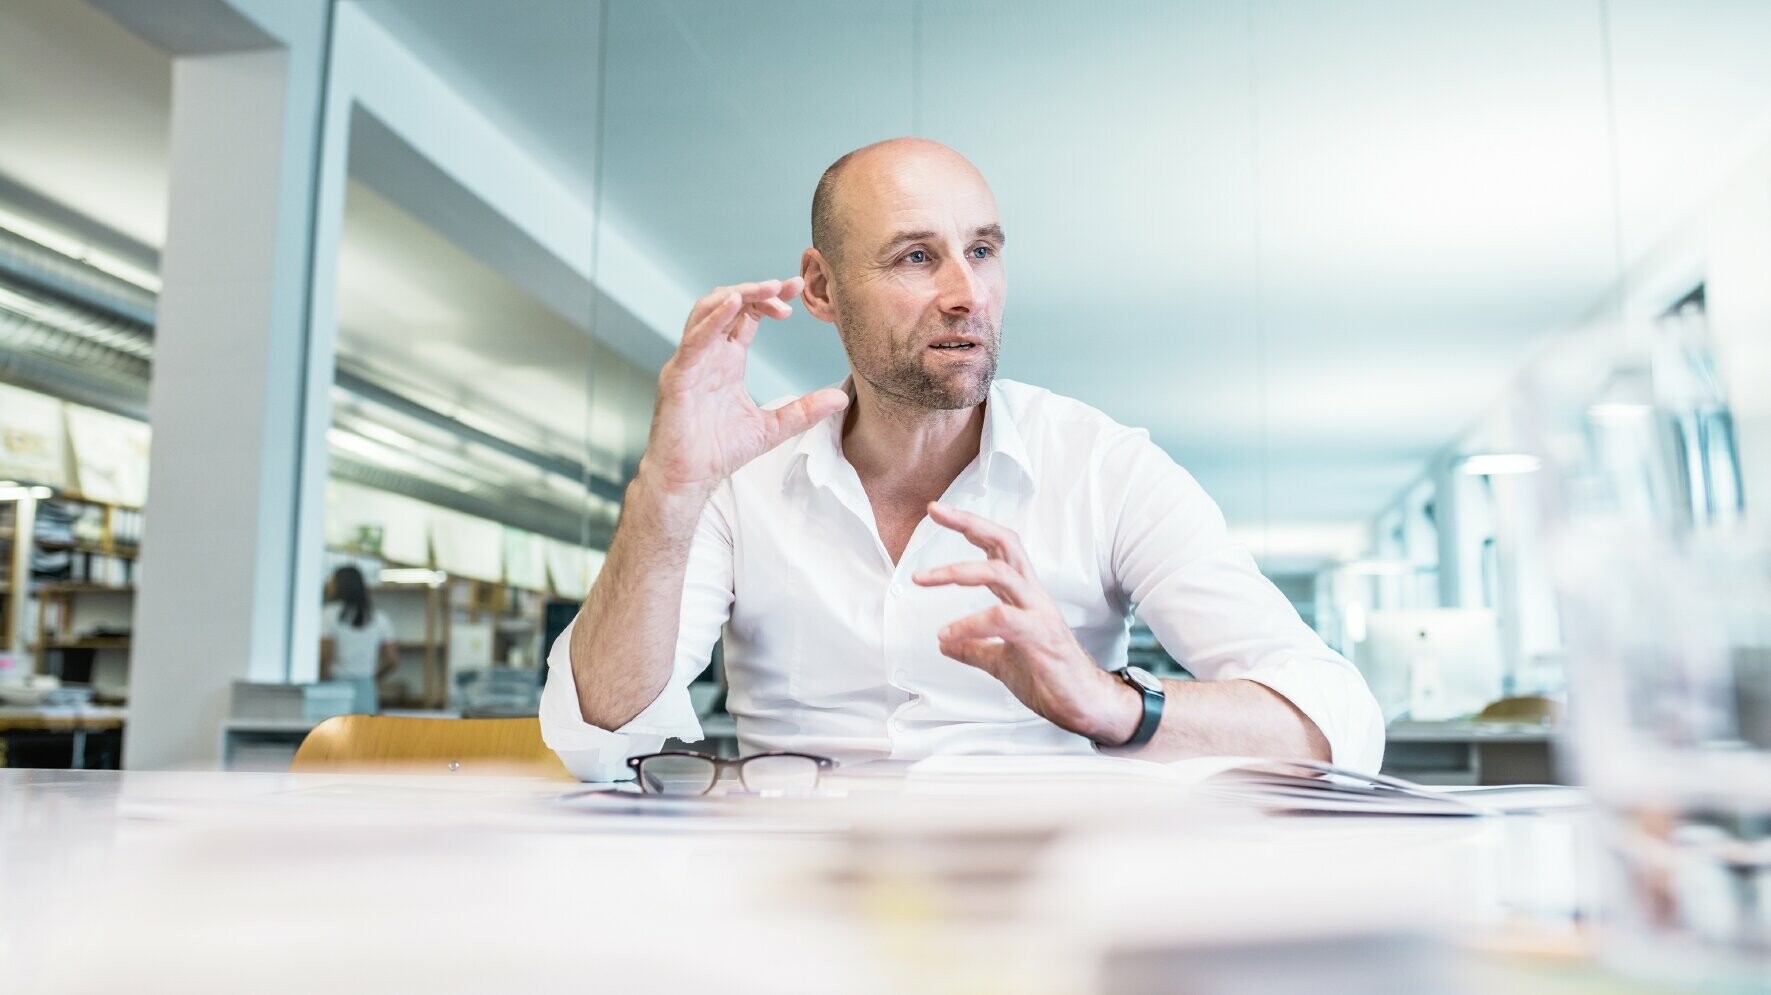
775	305
770	308
717	312
710	316
997	542
992	656
1007	583
1004	622
985	640
791	419
743	331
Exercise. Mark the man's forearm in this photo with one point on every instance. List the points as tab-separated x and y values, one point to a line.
1225	718
624	642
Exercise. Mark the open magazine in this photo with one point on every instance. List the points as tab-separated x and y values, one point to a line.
1301	786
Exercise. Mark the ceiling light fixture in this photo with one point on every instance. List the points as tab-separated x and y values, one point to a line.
413	575
79	251
1380	568
1618	413
1500	464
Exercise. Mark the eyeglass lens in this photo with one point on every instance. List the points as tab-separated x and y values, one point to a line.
779	775
674	774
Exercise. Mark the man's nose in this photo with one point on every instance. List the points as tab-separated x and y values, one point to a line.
961	292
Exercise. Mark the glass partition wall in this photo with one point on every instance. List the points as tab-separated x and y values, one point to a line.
482	427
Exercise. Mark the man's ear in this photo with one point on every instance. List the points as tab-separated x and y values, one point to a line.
815	269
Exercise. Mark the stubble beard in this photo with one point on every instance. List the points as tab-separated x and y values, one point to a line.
898	370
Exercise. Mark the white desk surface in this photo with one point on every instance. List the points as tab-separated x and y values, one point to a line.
224	882
1468	731
84	713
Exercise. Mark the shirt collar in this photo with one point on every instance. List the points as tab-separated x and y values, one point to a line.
1001	447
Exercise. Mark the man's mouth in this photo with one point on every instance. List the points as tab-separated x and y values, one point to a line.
953	343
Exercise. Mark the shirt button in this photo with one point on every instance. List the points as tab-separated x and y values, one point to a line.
897	590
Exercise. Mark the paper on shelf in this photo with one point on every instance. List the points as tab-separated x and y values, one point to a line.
33	443
467	546
525	560
404	523
110	456
566	565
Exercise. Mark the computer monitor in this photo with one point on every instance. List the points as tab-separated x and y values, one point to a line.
555	616
1436	664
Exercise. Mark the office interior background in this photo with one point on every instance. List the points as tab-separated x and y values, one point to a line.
293	284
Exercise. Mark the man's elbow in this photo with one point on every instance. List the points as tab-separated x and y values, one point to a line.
1315	745
595	704
600	715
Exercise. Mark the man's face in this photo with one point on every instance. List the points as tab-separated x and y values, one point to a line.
919	285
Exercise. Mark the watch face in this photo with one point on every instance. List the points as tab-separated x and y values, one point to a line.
1143	678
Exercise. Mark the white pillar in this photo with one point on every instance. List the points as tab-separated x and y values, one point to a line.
219	555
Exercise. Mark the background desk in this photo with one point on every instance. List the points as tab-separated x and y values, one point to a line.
92	735
1468	752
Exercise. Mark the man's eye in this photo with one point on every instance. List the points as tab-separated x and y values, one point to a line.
917	256
982	252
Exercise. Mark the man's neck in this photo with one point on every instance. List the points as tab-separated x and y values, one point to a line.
898	448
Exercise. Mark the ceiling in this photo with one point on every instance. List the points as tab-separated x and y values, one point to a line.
1305	262
1305	244
422	316
414	310
84	109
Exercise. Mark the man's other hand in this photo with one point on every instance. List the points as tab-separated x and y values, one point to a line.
1024	642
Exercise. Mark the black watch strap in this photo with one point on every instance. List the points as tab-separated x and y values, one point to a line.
1151	690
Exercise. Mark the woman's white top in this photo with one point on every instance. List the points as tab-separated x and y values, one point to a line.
354	650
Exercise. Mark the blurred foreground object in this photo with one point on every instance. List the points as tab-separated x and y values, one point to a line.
1663	571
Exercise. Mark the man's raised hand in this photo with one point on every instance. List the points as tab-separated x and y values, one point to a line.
705	425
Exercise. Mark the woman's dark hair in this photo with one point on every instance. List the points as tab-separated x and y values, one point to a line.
347	584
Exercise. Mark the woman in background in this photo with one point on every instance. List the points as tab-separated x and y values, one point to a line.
357	641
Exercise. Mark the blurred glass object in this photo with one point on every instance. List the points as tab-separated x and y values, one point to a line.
1665	591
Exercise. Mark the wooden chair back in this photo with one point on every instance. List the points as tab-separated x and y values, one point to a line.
398	744
1523	708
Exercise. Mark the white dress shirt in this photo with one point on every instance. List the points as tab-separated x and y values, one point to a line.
831	649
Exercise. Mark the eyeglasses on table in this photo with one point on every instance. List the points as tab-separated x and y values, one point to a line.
680	772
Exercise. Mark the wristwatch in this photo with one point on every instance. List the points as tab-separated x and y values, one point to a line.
1146	684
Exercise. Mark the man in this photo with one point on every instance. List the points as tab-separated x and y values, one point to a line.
837	537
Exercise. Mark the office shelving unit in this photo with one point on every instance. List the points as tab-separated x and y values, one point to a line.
426	616
9	568
102	550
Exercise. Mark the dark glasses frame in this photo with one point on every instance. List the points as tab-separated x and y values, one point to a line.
721	763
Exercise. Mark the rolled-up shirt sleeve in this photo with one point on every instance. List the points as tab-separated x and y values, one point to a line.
1203	597
593	753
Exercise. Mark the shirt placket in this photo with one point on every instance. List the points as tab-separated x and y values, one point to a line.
907	635
895	607
899	619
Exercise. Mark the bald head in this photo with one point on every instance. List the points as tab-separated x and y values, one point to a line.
906	262
865	170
